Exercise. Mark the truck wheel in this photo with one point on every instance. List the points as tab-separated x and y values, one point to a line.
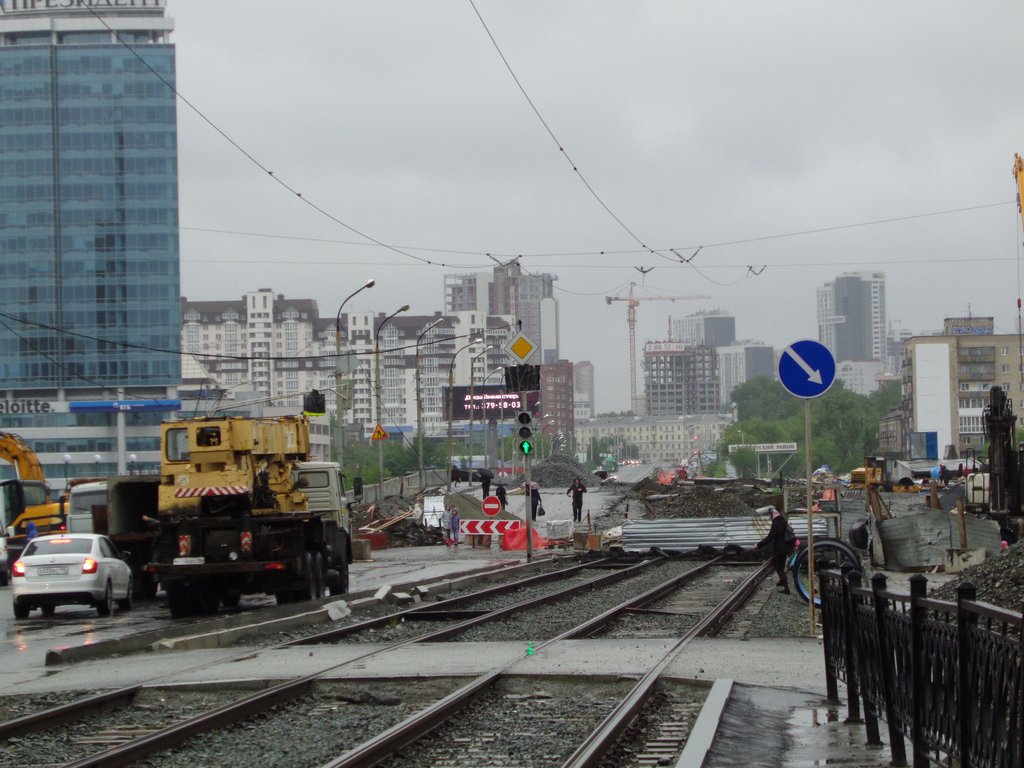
284	597
309	570
207	600
178	600
231	598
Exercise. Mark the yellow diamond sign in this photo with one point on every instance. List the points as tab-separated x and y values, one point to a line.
521	347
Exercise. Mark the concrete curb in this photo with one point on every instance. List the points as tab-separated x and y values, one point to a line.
220	632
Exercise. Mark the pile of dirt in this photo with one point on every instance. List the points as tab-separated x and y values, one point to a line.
999	580
557	471
652	501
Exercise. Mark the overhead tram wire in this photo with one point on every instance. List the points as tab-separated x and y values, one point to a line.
606	252
559	144
404	250
250	157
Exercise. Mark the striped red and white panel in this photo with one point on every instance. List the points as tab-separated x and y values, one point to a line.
211	490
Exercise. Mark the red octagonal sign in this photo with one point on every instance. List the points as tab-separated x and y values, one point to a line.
492	506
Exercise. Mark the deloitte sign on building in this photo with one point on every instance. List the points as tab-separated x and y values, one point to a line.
41	6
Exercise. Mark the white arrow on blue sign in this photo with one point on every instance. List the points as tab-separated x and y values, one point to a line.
807	368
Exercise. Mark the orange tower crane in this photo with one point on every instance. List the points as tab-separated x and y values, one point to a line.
632	302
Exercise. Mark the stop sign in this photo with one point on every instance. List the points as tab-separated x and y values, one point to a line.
492	506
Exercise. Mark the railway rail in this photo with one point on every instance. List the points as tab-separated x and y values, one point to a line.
661	600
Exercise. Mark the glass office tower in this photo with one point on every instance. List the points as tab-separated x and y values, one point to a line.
89	267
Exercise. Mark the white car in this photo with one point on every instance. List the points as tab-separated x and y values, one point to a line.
70	569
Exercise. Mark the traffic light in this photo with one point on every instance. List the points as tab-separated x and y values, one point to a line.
525	444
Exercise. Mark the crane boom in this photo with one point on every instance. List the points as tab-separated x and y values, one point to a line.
1018	173
632	302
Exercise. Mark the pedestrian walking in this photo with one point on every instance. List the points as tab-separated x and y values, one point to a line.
535	506
779	544
576	491
485	485
456	522
502	495
446	525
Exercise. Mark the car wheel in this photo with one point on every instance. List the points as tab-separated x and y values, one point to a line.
49	610
21	610
125	603
106	605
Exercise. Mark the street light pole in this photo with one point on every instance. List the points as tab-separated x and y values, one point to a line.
419	403
451	404
339	429
472	392
380	402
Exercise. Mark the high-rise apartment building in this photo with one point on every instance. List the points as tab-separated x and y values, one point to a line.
851	317
680	379
946	381
258	344
712	328
740	362
507	290
88	231
583	390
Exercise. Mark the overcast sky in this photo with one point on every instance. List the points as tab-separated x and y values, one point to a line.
794	141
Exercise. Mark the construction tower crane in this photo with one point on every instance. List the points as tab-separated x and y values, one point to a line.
632	302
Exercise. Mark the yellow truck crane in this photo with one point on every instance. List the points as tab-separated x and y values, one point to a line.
23	500
242	510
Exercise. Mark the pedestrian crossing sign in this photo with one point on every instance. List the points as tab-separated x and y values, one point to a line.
379	433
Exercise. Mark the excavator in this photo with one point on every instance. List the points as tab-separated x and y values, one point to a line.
23	500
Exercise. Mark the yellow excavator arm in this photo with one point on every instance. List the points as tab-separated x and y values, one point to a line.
16	451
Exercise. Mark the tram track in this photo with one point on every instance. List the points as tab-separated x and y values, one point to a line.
298	693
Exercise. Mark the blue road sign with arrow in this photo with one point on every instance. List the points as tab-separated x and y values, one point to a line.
807	368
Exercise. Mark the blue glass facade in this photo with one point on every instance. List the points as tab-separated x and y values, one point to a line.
88	213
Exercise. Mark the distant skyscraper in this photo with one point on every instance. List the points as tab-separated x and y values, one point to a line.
740	362
583	389
713	328
89	223
851	316
507	290
680	379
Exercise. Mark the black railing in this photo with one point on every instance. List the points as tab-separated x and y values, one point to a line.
946	677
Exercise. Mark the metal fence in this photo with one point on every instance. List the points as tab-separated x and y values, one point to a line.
946	677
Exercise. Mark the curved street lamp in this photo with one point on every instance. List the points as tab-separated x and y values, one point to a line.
380	401
419	402
339	431
451	404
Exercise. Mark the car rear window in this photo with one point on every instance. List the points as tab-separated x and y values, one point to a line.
65	545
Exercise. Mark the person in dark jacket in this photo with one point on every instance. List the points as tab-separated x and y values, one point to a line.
534	490
576	490
776	545
485	485
502	494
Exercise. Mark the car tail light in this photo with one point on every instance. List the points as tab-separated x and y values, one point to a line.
89	565
246	541
18	569
184	545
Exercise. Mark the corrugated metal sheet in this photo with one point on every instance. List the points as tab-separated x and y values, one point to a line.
688	534
920	539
